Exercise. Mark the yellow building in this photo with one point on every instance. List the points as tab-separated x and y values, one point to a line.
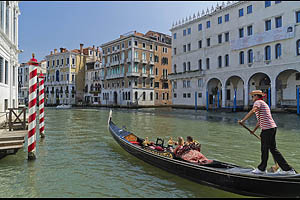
65	79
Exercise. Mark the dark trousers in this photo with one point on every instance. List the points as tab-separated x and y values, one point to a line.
268	143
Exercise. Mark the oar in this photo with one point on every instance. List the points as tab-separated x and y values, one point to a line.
274	167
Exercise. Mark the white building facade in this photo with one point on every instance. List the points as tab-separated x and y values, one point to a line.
230	50
23	80
9	14
94	74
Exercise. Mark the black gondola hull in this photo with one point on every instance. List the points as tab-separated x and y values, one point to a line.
240	183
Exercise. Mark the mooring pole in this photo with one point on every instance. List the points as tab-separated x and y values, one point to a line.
195	100
269	97
234	101
218	103
32	108
298	103
41	105
207	100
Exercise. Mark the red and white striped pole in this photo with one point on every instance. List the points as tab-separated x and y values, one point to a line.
32	108
41	105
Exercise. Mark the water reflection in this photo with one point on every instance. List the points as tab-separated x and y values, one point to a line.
79	158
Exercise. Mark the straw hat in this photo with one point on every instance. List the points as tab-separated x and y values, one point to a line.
259	92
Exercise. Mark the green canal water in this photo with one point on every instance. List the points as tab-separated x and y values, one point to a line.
79	158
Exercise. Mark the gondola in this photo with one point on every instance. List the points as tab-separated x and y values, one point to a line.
221	175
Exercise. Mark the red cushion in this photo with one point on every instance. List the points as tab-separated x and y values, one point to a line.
134	142
159	148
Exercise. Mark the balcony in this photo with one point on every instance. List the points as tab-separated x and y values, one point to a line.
135	74
122	61
114	76
128	60
136	60
107	64
151	62
187	74
151	76
145	75
144	61
115	63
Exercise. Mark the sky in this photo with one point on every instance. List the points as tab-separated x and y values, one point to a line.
48	25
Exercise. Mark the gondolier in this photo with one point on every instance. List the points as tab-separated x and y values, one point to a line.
268	133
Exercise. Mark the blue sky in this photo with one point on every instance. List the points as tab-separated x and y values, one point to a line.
46	25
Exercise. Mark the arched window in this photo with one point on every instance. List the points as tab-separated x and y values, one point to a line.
57	75
184	67
250	56
207	63
242	58
175	68
151	96
277	51
128	95
298	47
136	95
267	53
220	61
144	96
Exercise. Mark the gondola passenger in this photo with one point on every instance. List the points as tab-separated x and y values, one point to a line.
194	144
191	155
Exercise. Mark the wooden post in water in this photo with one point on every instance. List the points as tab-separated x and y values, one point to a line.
32	108
298	106
41	105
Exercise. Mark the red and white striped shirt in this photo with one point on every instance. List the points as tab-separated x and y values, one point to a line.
263	115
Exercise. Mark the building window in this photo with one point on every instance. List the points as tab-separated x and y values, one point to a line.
189	66
184	32
250	56
249	30
297	16
226	60
242	58
184	67
174	51
220	38
227	37
226	17
277	51
249	9
278	22
220	20
241	32
199	27
267	4
207	63
6	73
267	53
189	47
268	25
208	42
174	36
189	31
200	44
297	50
276	2
241	12
220	61
175	69
184	48
208	24
200	65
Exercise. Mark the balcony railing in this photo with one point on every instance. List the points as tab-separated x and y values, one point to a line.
133	74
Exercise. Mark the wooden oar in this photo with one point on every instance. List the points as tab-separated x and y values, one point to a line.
274	167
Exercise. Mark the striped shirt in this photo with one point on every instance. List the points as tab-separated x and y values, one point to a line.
263	115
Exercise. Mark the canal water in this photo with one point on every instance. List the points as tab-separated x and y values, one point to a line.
79	158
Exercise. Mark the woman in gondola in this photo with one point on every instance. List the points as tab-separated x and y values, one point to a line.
191	155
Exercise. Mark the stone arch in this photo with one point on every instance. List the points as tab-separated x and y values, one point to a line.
234	86
258	81
287	82
213	87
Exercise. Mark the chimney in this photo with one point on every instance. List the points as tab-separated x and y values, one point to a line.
61	50
51	52
55	51
81	50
